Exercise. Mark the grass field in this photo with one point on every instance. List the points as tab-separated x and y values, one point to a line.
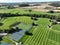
24	26
42	34
56	27
10	21
25	11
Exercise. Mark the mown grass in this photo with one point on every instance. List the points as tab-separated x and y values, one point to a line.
56	27
10	21
5	39
23	11
42	35
24	26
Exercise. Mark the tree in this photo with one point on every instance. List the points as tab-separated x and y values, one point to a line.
34	18
49	26
11	30
33	24
51	11
0	39
28	33
30	10
17	28
1	24
10	7
23	5
58	18
54	23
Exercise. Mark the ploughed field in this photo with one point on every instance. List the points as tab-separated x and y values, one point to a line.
42	34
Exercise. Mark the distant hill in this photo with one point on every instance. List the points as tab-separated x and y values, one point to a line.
55	4
11	4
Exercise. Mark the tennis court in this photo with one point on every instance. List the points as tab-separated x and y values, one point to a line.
24	26
20	33
17	35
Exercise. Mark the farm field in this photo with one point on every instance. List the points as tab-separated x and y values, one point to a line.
10	21
56	27
29	23
24	11
42	34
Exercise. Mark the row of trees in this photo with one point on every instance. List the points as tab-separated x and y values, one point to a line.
31	15
57	17
10	30
20	5
23	5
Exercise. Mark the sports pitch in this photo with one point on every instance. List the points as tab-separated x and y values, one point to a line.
20	32
42	34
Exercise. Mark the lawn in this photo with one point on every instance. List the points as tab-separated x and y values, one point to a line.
10	21
25	11
56	27
24	26
42	35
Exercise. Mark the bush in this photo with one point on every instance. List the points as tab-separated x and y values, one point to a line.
23	5
58	18
33	24
54	23
51	11
34	18
27	33
1	24
29	10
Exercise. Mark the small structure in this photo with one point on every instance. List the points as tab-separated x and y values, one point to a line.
3	34
55	21
58	22
20	43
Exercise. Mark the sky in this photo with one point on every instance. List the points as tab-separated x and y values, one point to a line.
27	0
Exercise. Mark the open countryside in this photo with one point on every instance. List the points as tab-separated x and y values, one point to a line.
24	24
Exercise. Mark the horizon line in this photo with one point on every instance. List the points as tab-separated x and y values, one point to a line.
28	2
